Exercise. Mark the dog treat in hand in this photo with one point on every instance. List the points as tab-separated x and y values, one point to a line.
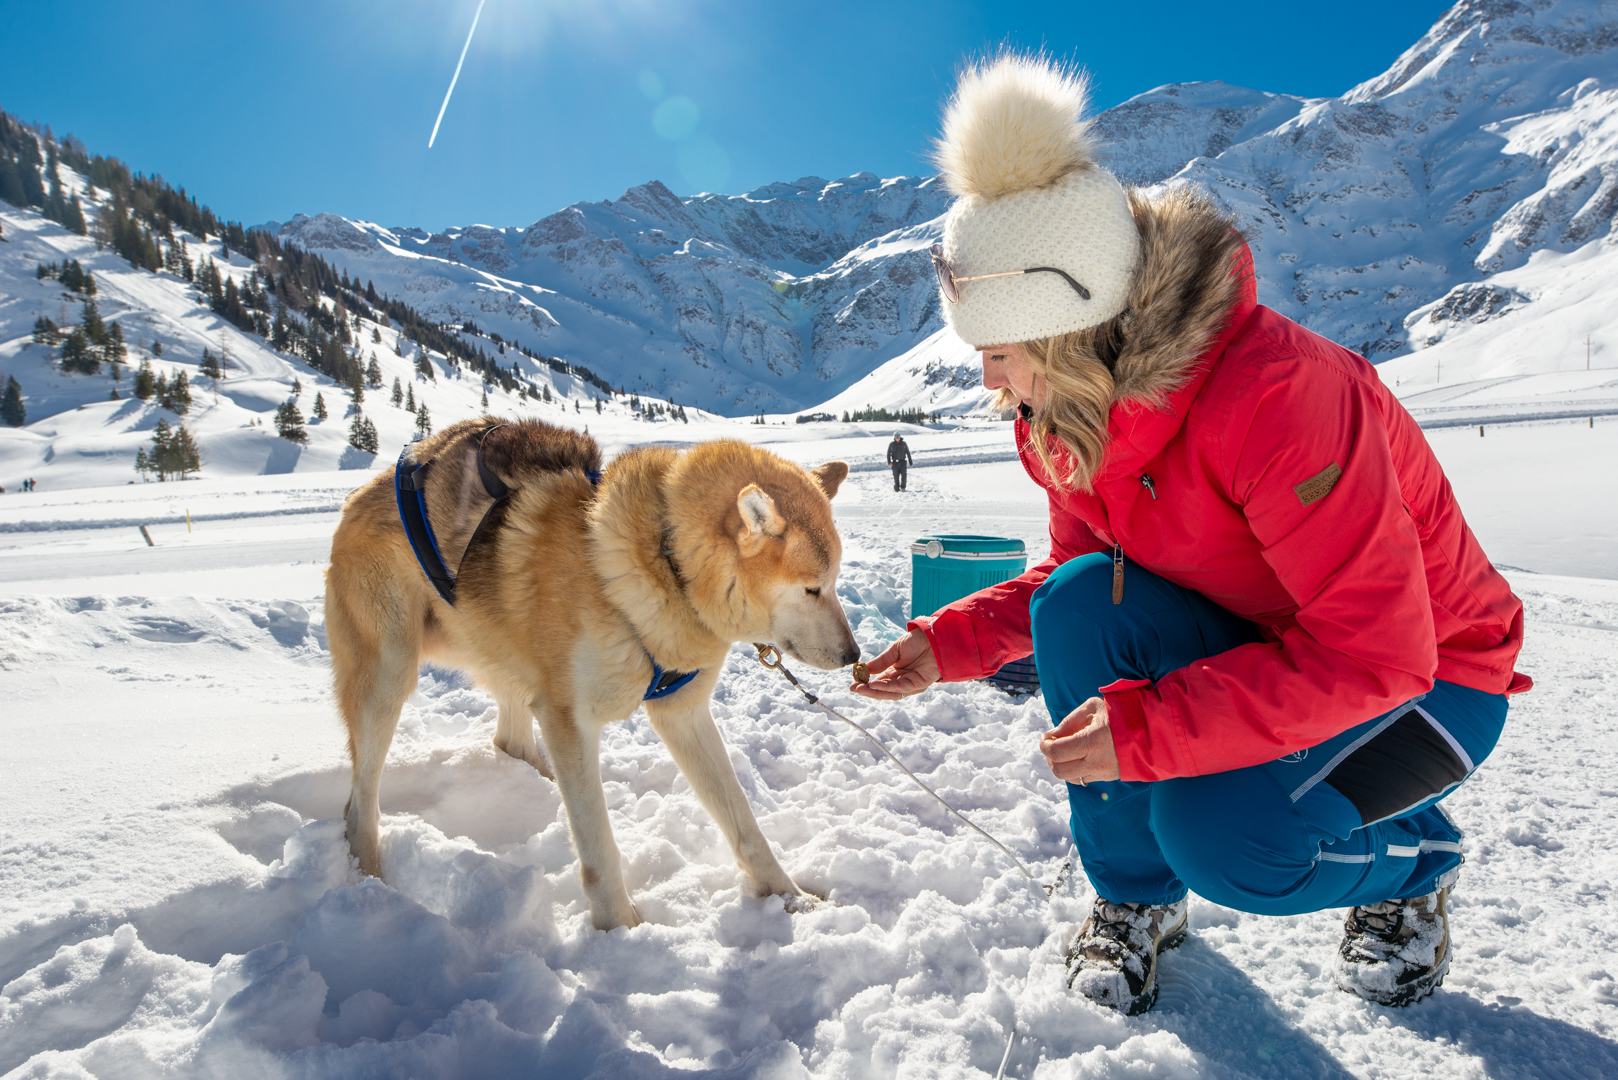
862	674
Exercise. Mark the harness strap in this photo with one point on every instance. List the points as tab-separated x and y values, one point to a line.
665	683
410	493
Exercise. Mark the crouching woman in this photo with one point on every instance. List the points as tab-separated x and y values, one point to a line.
1272	642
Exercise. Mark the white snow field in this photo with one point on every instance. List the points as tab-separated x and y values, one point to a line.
177	898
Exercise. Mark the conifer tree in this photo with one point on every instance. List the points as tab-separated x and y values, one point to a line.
297	386
398	393
210	363
424	424
410	399
187	453
113	349
289	423
178	397
46	332
174	453
94	326
485	403
157	347
320	406
362	434
12	410
376	336
145	379
373	374
79	357
424	366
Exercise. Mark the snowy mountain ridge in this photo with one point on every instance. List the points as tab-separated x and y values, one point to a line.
1378	219
765	300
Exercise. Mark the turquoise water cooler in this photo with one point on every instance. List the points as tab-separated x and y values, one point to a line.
947	566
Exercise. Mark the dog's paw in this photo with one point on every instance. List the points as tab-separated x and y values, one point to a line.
801	902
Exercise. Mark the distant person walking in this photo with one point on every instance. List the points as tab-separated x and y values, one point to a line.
899	460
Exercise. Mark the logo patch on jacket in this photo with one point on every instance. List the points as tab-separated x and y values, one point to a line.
1318	486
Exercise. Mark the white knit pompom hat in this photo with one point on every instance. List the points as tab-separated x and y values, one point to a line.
1016	149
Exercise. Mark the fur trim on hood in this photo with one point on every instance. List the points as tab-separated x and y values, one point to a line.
1181	295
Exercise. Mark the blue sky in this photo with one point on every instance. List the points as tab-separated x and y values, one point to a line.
264	110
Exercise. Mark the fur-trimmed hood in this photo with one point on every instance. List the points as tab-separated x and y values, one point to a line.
1195	270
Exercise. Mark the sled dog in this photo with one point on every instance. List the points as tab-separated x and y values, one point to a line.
573	595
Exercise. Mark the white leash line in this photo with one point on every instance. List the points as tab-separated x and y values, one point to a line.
1001	1075
764	657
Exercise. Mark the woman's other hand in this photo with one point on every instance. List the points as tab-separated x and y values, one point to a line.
906	667
1080	749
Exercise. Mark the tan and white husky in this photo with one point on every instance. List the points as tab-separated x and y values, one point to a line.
566	592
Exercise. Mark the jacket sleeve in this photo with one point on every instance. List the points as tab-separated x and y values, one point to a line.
978	634
1311	467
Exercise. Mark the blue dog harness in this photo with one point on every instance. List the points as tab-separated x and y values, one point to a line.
410	493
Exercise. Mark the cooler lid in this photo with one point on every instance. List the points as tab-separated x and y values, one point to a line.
968	546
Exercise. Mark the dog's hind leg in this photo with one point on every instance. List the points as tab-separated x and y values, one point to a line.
686	727
515	735
575	751
375	649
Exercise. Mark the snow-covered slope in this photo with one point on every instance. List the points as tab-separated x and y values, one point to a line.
77	436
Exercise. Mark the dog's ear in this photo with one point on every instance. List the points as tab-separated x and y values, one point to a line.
759	516
830	477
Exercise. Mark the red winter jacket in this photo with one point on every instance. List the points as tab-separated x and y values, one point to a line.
1294	490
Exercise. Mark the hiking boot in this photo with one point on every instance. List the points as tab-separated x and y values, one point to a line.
1113	961
1395	952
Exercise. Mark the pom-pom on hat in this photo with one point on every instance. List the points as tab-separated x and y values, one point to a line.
1016	150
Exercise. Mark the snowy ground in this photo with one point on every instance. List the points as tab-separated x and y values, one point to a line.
176	896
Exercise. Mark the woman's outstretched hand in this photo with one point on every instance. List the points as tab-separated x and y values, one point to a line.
1080	749
906	667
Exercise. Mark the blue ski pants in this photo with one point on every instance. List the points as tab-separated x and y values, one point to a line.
1352	820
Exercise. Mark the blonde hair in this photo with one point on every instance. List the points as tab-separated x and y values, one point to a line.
1078	372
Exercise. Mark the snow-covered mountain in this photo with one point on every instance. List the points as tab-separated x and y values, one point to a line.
773	300
1379	218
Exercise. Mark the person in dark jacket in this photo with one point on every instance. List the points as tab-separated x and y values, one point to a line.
899	460
1268	641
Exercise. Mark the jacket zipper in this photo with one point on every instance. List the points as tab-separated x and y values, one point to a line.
1118	549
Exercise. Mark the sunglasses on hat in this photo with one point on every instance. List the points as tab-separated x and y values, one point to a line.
951	284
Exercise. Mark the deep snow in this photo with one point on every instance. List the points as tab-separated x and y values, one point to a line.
176	896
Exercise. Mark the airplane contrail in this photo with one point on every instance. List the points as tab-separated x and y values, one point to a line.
456	76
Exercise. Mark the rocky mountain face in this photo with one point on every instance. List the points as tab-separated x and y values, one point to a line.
775	299
1377	218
